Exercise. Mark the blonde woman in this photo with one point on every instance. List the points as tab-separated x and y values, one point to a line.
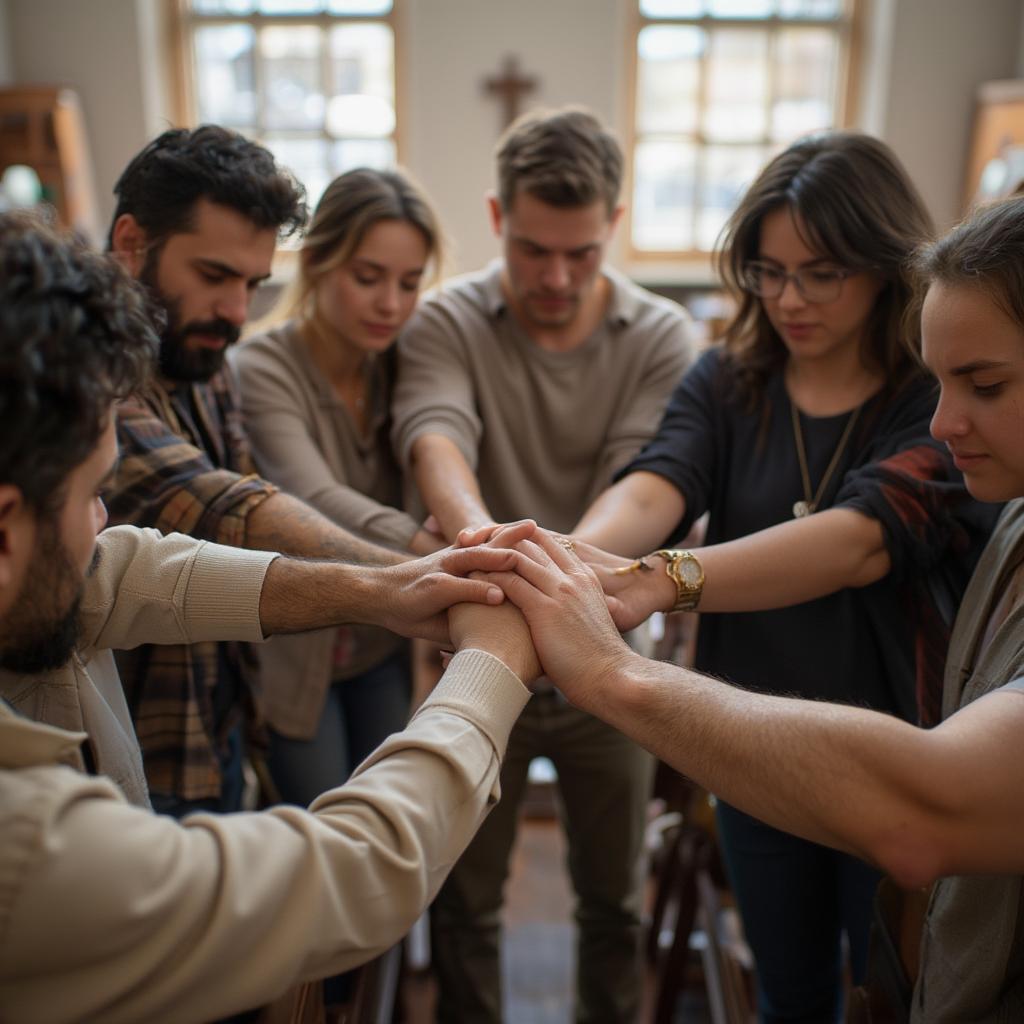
316	394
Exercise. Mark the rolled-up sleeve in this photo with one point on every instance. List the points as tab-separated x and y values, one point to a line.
150	589
165	482
910	485
435	392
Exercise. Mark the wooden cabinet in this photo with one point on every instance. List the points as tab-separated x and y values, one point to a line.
42	127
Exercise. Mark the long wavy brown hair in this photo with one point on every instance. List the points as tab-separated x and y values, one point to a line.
858	208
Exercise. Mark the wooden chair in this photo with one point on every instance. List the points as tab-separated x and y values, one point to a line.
727	977
674	917
688	918
375	998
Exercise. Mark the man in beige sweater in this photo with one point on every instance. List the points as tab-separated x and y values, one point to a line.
521	390
108	912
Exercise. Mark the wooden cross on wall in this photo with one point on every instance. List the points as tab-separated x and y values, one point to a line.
510	86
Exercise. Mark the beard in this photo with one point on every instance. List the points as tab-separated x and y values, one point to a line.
175	359
41	631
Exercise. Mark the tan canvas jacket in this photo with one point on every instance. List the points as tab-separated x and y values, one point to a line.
111	913
147	589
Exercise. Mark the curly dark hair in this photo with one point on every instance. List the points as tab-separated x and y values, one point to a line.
76	334
858	207
162	184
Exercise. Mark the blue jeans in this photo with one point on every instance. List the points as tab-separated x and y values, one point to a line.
796	899
359	714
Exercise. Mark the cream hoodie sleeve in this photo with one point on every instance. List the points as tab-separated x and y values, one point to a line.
112	914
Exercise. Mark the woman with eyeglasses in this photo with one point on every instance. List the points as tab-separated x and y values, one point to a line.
840	536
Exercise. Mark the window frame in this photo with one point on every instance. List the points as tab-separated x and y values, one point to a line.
184	20
848	30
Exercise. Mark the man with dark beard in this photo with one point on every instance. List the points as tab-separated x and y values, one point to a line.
107	911
197	219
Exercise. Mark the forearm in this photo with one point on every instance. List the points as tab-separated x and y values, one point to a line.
283	523
447	485
901	797
774	568
633	516
410	598
794	562
299	596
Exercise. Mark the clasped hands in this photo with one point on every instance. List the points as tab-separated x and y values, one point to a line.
564	608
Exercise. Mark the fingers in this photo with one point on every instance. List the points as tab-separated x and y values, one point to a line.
561	550
460	561
476	591
519	589
510	534
471	536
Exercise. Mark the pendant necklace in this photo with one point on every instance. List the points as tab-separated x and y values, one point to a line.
809	504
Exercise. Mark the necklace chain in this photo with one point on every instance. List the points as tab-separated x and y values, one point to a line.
810	503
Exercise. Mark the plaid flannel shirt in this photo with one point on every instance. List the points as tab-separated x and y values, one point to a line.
185	466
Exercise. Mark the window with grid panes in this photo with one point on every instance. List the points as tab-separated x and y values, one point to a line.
312	80
721	87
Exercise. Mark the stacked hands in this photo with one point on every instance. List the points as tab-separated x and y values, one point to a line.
563	598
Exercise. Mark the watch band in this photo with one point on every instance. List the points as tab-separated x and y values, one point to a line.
685	570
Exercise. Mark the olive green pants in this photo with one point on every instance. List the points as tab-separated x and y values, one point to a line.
604	783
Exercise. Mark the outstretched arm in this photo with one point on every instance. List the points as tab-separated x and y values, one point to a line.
919	803
283	523
447	485
633	516
783	565
271	898
410	598
165	482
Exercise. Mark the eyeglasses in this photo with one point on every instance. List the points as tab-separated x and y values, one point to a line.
815	284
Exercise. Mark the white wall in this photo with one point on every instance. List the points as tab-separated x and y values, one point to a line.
575	48
110	53
6	61
1020	44
922	62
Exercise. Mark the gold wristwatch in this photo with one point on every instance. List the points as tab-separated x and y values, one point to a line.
685	570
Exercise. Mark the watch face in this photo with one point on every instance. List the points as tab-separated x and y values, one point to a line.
690	573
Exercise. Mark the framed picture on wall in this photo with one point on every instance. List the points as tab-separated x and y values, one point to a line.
995	162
